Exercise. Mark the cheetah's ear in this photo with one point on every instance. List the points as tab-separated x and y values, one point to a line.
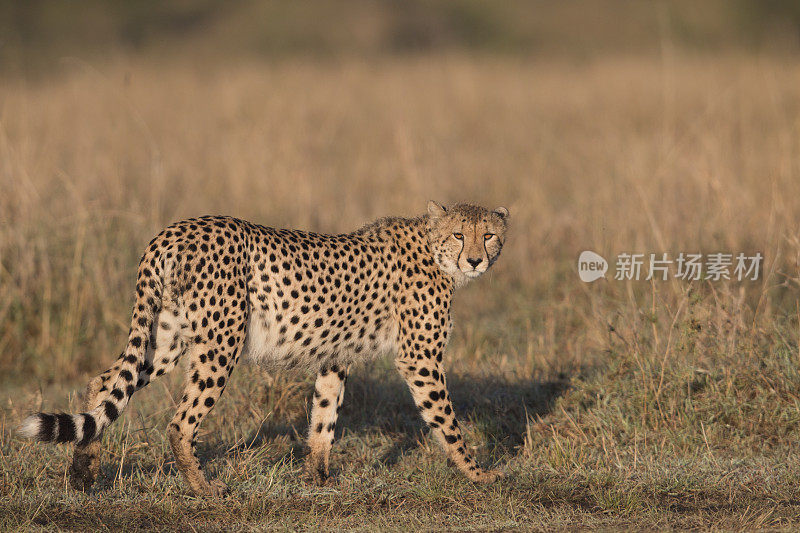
502	212
436	210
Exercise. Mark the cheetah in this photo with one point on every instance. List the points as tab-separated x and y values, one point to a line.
215	289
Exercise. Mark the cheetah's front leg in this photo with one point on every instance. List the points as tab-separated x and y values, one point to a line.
426	380
328	396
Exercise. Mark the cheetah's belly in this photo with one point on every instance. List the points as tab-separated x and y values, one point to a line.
285	346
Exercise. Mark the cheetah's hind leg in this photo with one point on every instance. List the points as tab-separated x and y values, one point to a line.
215	349
86	461
165	349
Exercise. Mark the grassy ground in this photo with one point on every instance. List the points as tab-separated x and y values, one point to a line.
633	405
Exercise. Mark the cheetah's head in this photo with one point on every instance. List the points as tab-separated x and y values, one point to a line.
466	239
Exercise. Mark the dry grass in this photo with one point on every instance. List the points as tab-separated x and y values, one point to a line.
631	405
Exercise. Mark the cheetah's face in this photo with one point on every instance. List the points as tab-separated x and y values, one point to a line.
466	239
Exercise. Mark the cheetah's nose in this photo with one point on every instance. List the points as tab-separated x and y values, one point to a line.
474	262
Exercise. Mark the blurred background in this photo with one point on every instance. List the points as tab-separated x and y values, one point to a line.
612	125
39	31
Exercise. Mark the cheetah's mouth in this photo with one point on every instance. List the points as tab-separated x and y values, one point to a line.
472	273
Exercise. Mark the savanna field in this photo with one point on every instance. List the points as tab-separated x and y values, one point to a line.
619	404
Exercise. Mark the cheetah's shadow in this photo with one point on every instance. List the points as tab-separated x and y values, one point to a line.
496	407
378	401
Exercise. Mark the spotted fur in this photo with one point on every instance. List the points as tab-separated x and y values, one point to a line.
213	289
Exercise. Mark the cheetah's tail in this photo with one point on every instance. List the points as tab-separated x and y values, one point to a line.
83	428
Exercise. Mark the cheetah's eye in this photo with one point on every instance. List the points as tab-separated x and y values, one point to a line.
459	236
487	236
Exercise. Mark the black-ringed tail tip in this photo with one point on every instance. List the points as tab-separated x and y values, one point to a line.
60	428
